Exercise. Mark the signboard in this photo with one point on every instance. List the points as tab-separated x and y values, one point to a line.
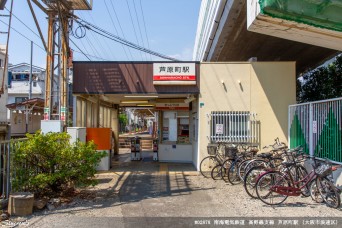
314	127
63	110
174	74
46	113
219	129
172	106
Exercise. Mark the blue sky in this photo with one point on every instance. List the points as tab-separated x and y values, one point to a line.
170	29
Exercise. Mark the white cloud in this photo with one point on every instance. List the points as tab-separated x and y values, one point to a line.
185	55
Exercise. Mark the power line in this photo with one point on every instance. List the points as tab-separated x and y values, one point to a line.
110	16
135	33
136	14
105	41
142	12
95	52
24	36
117	18
92	56
24	24
118	39
44	48
79	49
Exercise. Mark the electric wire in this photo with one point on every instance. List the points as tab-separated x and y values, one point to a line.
24	36
115	38
105	41
79	49
24	24
143	17
135	33
117	18
90	44
99	45
137	17
110	16
84	47
43	49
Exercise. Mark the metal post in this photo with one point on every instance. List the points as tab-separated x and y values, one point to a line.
289	126
311	149
30	78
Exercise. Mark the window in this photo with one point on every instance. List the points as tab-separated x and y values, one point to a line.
232	126
21	77
20	99
176	127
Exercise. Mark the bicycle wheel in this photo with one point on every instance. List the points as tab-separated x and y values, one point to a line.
254	163
315	195
207	164
264	188
302	174
250	180
328	192
233	176
224	169
216	173
241	168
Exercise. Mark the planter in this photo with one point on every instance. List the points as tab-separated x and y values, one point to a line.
20	203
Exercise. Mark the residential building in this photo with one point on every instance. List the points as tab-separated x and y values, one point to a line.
18	94
18	83
3	98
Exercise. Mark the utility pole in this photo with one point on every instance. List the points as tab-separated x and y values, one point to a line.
30	78
27	111
59	13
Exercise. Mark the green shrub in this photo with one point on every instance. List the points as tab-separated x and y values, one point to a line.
47	163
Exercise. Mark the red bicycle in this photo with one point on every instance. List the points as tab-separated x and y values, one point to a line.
273	187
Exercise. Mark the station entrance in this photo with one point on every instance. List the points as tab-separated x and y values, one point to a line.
150	107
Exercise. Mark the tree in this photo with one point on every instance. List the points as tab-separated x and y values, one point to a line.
322	83
123	121
46	164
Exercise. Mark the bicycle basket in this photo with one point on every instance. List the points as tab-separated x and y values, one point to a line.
230	151
323	170
211	149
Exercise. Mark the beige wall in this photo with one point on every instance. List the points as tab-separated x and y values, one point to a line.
18	123
90	114
266	88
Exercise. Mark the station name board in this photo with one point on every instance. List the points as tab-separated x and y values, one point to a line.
172	106
174	74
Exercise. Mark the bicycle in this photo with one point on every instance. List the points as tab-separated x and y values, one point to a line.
273	187
216	156
278	149
234	159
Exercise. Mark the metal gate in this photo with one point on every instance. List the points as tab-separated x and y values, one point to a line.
318	127
234	126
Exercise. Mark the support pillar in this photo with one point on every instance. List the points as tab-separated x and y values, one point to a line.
115	129
64	72
49	66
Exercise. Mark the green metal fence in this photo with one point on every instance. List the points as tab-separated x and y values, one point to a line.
319	13
318	127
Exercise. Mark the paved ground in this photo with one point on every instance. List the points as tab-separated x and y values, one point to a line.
134	194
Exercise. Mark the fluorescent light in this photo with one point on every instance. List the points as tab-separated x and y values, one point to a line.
142	96
133	102
145	105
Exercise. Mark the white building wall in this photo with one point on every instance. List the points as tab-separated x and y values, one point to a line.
208	19
3	98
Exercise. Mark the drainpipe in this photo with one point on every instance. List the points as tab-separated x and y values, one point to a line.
217	19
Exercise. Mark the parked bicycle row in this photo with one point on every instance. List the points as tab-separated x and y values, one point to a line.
274	175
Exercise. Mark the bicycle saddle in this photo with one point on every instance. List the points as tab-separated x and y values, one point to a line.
288	164
265	155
